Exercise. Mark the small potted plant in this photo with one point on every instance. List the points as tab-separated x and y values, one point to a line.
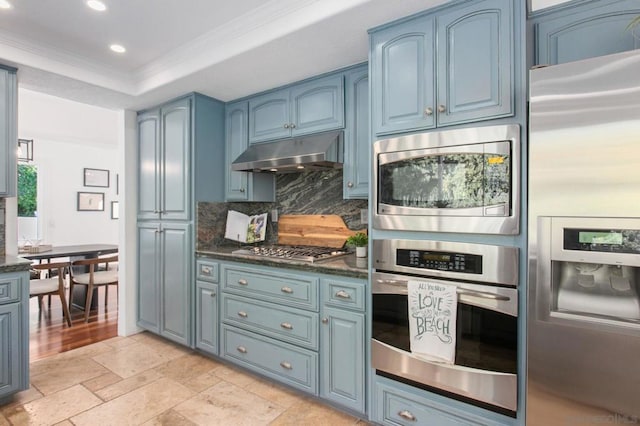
360	241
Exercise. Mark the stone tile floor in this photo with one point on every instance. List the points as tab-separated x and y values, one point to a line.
145	380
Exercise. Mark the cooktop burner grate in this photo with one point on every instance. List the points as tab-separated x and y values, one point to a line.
304	253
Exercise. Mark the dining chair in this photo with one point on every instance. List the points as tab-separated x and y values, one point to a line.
52	286
93	278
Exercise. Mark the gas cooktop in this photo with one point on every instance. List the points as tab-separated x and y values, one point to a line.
303	253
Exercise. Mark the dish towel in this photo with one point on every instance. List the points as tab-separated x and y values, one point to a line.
432	320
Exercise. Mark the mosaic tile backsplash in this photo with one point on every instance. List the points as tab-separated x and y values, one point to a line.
296	193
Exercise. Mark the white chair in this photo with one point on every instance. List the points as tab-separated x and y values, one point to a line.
51	286
95	277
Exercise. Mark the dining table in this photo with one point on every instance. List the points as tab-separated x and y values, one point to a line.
75	252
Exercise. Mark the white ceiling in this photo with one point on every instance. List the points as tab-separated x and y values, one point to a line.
224	49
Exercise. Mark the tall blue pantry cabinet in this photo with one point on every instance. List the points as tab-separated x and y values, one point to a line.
180	162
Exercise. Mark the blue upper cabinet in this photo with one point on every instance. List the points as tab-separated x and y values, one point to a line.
466	76
403	77
243	186
584	29
8	138
357	142
310	107
475	56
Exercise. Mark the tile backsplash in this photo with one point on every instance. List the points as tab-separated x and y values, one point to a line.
2	226
296	193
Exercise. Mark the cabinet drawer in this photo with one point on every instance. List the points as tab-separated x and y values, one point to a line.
9	289
207	270
264	284
289	324
287	363
343	294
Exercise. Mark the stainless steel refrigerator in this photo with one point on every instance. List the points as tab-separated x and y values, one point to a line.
583	318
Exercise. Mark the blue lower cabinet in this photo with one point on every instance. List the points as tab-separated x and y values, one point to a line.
281	361
14	333
207	317
342	358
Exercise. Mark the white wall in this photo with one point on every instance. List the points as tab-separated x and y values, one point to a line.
69	136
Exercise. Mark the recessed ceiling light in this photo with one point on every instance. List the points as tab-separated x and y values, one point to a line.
97	5
117	48
4	4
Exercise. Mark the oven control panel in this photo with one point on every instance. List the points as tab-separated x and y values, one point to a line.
440	260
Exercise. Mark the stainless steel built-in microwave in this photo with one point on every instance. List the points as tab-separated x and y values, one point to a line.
463	180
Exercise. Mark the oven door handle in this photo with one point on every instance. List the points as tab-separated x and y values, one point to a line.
460	291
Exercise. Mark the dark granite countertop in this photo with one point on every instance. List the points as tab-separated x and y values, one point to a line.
347	266
14	264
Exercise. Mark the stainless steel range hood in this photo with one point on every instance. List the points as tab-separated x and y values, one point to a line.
320	151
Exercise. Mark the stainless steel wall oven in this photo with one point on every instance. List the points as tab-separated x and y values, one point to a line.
463	180
486	355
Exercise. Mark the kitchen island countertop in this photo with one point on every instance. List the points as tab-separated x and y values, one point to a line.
348	265
14	264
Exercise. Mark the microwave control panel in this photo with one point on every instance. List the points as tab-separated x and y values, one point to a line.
440	260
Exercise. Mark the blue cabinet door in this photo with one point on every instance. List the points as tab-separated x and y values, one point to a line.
11	349
403	72
357	141
475	56
175	197
317	105
8	138
585	30
149	165
243	186
176	268
269	116
342	360
149	279
207	317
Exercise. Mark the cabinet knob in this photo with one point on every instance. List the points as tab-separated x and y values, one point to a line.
428	111
286	326
242	314
213	294
293	126
350	184
242	281
286	126
407	415
286	365
241	349
442	108
287	290
325	320
241	189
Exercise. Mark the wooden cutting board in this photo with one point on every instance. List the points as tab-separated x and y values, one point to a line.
313	230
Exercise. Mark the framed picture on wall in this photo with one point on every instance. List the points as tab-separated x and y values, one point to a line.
115	212
90	201
96	177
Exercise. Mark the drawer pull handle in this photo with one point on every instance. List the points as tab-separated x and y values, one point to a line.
242	349
287	290
286	326
242	314
205	270
286	365
407	415
242	281
343	294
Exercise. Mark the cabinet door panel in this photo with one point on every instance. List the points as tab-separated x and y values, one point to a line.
149	160
176	140
207	317
474	63
237	121
149	276
403	72
176	266
317	105
10	349
268	115
357	141
342	358
8	138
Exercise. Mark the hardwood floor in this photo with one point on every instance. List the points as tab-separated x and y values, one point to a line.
49	334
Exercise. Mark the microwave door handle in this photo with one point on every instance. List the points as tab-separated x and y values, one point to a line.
482	295
399	283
